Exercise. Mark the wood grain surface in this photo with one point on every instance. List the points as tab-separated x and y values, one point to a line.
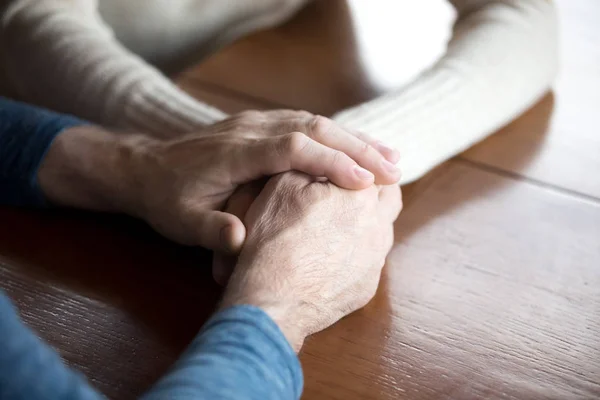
569	150
492	290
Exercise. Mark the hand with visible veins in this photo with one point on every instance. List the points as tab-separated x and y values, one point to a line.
314	251
181	186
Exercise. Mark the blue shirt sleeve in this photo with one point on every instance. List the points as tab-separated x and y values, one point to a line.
29	369
26	133
240	353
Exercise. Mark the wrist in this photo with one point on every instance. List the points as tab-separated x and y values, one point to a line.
282	313
89	167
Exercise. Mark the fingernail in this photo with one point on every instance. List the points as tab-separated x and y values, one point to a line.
388	166
393	154
363	173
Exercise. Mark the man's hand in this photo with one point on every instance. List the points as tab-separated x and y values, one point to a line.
180	186
314	252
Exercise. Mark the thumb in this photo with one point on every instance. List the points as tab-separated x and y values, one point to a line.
215	230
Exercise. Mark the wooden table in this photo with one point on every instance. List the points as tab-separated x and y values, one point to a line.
492	290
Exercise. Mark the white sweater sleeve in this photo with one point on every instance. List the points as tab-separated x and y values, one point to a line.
501	59
59	54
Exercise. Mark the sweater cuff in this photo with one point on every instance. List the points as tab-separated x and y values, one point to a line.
162	109
26	134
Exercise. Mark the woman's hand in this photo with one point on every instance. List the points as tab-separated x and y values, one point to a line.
180	186
363	149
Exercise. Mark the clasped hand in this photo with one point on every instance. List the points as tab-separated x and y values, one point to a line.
329	237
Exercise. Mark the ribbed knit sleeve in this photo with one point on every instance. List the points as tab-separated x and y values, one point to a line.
61	55
501	59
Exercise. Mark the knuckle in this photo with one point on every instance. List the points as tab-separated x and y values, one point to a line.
311	194
337	157
295	143
372	284
250	117
320	126
362	136
304	114
367	294
318	194
371	292
290	182
365	148
250	114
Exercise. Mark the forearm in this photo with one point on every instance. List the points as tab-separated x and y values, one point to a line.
53	159
90	168
62	56
501	59
26	135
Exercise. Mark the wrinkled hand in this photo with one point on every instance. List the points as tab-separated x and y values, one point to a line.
181	186
314	252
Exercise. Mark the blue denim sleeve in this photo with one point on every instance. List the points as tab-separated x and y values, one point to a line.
26	133
239	354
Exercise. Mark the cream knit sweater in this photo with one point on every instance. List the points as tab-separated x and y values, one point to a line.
93	58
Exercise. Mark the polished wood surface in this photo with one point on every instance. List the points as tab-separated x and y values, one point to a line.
117	301
333	54
566	154
492	290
